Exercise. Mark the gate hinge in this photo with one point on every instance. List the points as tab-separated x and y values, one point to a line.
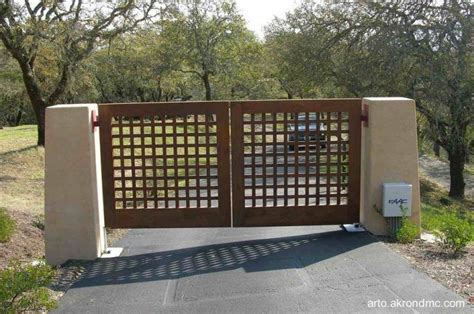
94	120
365	115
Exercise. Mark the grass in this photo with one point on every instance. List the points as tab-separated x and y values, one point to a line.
22	165
22	286
15	138
22	179
435	203
145	149
21	170
469	169
7	226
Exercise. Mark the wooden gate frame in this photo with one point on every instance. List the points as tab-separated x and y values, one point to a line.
221	216
303	215
166	218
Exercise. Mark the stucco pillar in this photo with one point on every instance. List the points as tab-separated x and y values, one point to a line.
74	222
389	154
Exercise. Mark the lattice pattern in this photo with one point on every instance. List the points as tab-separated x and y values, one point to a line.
165	162
296	159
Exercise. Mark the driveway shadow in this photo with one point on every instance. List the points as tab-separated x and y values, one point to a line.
252	256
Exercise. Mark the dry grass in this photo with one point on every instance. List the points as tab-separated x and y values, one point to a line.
21	170
22	194
26	243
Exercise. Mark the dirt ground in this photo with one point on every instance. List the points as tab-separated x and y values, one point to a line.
438	171
22	194
27	242
455	273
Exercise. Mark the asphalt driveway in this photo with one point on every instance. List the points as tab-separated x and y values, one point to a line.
253	270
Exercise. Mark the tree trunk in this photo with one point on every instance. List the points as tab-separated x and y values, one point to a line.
40	113
436	149
159	93
19	116
207	85
457	157
470	149
36	98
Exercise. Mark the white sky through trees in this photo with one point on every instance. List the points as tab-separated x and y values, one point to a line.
259	13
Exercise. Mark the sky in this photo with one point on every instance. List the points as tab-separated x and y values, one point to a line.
259	13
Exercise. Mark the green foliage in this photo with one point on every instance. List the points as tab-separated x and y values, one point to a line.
23	288
408	232
7	225
429	217
453	224
209	41
131	69
403	48
14	106
455	232
433	206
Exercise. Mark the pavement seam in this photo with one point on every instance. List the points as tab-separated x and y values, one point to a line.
376	277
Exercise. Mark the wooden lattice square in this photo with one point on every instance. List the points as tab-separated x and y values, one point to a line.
165	161
295	159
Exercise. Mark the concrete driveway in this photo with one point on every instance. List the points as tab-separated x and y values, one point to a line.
252	270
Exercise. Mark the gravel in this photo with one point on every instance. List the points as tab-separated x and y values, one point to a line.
455	273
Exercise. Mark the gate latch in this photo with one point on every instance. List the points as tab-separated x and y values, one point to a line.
365	115
94	120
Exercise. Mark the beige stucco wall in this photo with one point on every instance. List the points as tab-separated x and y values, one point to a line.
73	195
389	154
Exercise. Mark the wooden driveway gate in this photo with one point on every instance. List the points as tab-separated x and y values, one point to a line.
294	162
165	164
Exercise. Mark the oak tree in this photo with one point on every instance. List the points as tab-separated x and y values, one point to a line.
74	27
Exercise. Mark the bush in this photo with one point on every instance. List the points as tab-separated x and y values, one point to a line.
23	288
38	222
7	226
408	232
455	233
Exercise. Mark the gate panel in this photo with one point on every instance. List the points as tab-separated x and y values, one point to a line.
295	162
165	164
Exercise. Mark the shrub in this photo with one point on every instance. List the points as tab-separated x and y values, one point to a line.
38	222
408	232
23	288
455	233
446	201
7	225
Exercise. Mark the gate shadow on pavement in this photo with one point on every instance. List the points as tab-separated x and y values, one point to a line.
252	256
